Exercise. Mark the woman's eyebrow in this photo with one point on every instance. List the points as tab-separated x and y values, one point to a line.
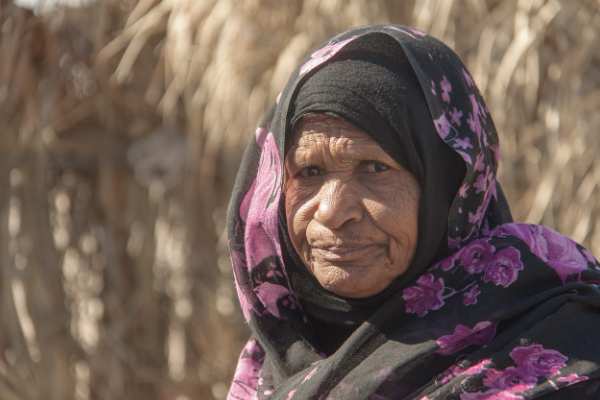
301	163
299	156
302	156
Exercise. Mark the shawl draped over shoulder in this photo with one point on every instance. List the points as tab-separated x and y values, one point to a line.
489	309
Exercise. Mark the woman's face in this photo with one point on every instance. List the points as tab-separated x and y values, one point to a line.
352	211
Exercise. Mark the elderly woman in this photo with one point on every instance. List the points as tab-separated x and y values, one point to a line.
374	252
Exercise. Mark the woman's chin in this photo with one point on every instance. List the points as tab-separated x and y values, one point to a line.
353	281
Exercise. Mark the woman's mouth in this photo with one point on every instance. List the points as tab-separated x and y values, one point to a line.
341	253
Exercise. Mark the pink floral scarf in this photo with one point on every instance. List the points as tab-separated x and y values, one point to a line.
511	312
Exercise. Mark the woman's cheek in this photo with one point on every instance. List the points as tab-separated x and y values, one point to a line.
394	209
298	215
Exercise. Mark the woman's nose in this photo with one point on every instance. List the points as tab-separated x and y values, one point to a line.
337	204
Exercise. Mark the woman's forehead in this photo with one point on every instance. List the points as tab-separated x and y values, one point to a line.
331	132
320	129
335	144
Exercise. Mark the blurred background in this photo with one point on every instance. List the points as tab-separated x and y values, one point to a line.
122	125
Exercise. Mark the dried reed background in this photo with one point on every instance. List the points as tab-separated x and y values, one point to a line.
121	129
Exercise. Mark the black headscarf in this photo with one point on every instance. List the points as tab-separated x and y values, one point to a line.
469	318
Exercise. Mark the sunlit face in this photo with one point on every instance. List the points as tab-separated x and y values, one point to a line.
352	211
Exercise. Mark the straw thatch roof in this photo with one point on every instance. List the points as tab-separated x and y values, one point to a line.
121	128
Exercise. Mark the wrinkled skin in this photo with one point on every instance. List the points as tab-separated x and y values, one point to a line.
352	211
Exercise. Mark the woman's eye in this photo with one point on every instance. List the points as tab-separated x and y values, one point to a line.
311	171
374	166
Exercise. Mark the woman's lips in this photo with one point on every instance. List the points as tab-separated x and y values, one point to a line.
341	253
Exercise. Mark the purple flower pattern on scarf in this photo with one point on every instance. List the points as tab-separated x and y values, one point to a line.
475	257
510	379
443	126
455	116
323	54
462	337
426	296
558	251
468	77
531	363
534	360
473	218
479	164
273	296
247	301
476	187
470	297
477	368
562	254
260	205
463	144
505	266
446	88
247	372
499	267
481	183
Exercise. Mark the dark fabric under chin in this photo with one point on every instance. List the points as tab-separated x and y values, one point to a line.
371	85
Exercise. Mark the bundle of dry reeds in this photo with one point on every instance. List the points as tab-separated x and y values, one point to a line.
121	129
